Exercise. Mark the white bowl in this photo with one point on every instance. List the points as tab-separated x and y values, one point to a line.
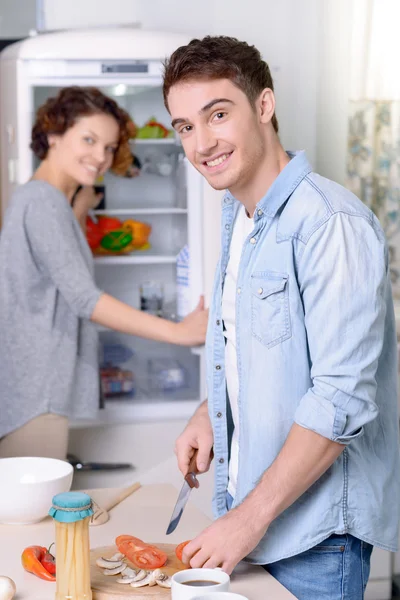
28	485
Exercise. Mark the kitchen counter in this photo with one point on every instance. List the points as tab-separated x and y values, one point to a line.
144	514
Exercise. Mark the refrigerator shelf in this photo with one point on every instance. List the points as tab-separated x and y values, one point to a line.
136	259
142	211
155	141
125	412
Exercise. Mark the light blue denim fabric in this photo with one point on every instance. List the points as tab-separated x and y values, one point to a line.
316	346
336	569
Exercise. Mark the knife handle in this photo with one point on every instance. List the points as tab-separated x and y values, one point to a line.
190	476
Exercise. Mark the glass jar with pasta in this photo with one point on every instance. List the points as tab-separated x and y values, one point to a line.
71	512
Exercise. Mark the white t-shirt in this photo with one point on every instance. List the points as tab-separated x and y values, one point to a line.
243	226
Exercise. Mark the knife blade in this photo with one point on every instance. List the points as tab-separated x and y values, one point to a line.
189	483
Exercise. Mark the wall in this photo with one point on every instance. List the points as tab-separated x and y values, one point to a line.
59	14
333	87
17	18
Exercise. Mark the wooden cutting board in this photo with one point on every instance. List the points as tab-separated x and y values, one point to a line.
105	587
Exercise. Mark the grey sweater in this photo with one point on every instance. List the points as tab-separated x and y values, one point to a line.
48	346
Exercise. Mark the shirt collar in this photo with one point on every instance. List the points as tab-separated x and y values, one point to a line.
283	186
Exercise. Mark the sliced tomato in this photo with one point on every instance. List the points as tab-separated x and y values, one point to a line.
150	557
179	549
129	543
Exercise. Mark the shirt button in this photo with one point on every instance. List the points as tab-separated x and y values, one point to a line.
219	415
218	367
221	461
227	227
260	291
259	212
253	241
239	290
218	322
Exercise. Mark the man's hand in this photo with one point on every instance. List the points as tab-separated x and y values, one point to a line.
226	542
304	457
198	434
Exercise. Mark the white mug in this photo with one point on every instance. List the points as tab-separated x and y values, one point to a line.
182	590
221	596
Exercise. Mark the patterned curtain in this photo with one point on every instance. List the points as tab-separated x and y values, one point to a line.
373	153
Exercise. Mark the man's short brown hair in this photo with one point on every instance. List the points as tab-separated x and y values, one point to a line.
219	57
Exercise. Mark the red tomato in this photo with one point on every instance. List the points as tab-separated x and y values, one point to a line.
149	558
129	543
107	224
179	549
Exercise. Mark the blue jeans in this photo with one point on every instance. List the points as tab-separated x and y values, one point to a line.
336	569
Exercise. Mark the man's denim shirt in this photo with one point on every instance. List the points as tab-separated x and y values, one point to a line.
316	346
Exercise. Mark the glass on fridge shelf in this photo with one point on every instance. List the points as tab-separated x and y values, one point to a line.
152	297
166	375
158	163
116	380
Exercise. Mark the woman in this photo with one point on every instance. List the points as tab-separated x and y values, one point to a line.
49	301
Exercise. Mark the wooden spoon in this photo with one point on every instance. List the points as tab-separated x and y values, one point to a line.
101	515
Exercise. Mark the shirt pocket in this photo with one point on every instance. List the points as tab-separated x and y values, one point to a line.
270	318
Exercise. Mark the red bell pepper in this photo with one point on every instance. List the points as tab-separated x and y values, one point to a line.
32	558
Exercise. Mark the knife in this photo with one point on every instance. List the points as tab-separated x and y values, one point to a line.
190	482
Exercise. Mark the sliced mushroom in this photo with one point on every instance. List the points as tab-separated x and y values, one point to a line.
118	556
128	575
163	580
143	582
140	575
127	579
108	563
153	577
115	571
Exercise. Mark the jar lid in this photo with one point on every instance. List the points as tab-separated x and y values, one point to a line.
70	507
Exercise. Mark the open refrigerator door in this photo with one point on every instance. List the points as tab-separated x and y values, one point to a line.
151	250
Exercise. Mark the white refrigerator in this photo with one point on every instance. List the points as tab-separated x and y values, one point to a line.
182	210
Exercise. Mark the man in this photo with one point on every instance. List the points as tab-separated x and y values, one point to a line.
301	348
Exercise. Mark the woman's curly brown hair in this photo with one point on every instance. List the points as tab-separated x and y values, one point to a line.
62	111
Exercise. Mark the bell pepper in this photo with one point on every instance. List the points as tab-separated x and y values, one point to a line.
140	232
49	561
107	224
93	233
32	562
153	130
116	240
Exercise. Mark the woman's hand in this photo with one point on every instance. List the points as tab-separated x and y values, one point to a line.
192	330
86	199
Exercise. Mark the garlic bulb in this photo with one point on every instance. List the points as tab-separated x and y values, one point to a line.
7	588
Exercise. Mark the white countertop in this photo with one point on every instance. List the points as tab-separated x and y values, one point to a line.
145	514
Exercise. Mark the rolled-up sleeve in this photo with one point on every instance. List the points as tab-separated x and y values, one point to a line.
343	277
55	248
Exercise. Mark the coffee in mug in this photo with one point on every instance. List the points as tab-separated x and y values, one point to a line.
186	584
